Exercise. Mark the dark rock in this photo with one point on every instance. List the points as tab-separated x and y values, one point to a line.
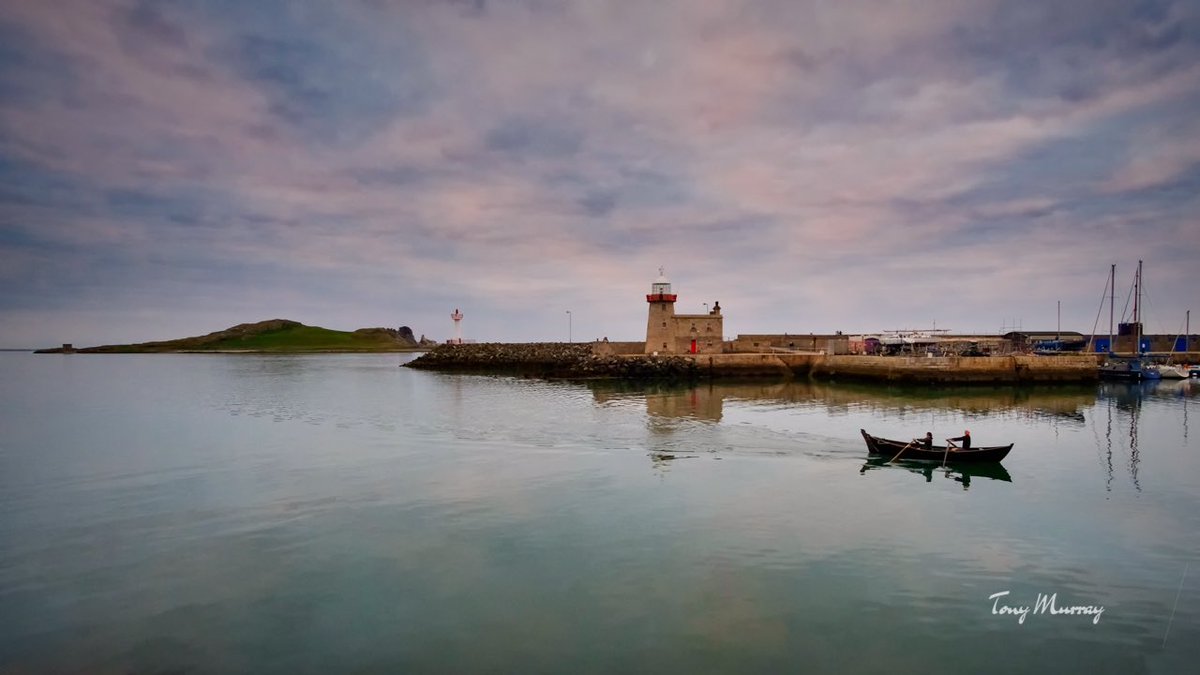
403	335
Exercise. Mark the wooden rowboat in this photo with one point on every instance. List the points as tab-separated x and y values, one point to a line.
911	451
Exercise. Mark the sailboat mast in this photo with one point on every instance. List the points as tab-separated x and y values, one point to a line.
1137	317
1112	299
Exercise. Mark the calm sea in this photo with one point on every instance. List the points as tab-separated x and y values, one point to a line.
320	514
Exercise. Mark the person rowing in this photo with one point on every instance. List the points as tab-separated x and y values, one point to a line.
965	439
926	442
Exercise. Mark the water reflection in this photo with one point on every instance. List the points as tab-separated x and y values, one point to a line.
716	418
962	473
1120	406
1128	395
706	401
1123	404
1062	404
681	420
662	462
702	402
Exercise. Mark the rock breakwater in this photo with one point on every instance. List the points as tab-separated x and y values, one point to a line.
553	360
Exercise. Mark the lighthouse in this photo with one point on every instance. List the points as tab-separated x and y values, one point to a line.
671	333
457	316
660	326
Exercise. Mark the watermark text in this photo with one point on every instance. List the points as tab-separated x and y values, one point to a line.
1045	604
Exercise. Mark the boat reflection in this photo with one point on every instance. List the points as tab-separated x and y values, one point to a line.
962	473
1130	394
1122	408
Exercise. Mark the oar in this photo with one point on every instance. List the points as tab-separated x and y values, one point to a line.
901	452
946	454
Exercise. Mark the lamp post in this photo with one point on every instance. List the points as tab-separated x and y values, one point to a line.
569	338
705	307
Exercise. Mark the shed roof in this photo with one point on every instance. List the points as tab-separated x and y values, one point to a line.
1034	336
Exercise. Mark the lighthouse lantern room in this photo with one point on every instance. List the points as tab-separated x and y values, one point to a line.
660	290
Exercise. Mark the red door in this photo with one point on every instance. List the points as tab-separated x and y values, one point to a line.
693	346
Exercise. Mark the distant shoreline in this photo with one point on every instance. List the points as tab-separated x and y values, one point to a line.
273	336
106	350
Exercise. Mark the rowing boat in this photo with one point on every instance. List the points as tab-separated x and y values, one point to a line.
912	450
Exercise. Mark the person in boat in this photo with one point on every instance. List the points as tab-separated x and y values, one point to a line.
926	442
965	439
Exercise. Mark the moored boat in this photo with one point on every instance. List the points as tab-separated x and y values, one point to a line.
1171	372
1128	368
1131	366
937	453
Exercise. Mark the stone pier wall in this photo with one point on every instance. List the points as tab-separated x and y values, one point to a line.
959	369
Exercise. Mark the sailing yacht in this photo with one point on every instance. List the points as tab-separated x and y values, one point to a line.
1128	367
1177	372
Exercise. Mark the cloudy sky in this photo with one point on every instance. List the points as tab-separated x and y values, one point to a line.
174	167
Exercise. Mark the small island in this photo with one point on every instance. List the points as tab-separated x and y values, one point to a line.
274	336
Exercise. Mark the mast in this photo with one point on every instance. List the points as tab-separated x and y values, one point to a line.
1137	318
1112	299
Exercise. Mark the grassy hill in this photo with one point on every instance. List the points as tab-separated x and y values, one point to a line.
275	336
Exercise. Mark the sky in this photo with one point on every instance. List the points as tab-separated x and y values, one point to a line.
175	167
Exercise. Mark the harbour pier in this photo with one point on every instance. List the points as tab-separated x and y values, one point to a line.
597	361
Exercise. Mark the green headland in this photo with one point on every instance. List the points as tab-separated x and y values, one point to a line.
273	336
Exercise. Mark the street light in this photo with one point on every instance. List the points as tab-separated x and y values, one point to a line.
705	307
569	326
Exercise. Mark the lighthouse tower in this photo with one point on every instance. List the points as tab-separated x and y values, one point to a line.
660	326
457	316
